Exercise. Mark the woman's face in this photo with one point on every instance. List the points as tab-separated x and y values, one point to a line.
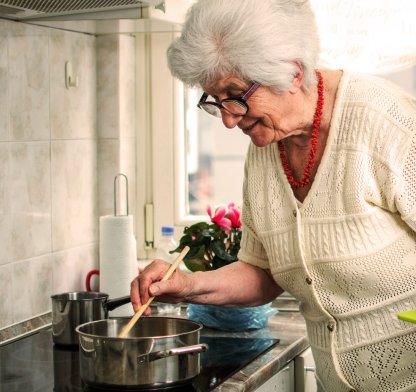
270	118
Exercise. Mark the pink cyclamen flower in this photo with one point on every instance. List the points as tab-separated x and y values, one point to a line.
234	214
218	217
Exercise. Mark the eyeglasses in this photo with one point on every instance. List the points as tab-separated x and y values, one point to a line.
236	106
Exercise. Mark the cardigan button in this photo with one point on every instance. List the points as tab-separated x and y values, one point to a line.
330	327
308	280
294	213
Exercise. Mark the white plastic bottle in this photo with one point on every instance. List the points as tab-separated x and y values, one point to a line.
166	245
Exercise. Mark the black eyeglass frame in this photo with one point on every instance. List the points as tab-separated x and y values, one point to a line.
242	100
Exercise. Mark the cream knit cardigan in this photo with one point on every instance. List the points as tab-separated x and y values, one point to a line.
348	252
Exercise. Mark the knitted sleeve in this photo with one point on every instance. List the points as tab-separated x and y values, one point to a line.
389	116
405	196
252	250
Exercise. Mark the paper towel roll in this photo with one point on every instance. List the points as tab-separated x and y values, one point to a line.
116	259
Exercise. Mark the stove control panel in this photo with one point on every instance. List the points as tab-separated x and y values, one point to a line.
282	381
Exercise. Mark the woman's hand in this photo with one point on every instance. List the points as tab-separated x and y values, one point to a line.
235	285
174	290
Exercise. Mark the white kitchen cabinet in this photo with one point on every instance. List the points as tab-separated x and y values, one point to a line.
305	372
282	381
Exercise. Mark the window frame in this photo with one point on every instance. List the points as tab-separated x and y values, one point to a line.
167	143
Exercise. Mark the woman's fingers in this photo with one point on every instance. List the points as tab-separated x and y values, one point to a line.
140	287
173	290
134	294
135	297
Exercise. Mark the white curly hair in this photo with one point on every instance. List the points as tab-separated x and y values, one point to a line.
254	40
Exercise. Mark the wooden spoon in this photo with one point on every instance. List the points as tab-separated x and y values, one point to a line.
169	272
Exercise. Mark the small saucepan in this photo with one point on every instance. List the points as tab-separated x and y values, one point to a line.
69	310
158	352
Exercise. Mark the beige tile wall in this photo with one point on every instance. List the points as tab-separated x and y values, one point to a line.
48	167
116	122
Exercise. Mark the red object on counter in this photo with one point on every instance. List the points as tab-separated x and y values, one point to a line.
88	280
97	272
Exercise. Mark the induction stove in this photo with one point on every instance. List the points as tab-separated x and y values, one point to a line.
36	364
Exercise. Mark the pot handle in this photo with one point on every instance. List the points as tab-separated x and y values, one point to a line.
88	280
199	348
112	304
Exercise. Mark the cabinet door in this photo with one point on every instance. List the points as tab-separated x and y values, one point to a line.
282	381
305	372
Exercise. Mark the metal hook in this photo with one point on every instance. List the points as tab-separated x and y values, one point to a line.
115	195
161	6
70	80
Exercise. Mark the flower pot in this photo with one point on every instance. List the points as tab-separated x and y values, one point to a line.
231	319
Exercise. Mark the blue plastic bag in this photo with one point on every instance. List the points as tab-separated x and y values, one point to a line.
231	319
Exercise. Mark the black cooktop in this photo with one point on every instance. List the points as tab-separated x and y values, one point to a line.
36	364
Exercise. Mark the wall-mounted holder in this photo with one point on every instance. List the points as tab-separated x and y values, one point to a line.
161	6
149	240
70	80
115	194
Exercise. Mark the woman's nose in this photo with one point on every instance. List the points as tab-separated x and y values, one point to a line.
229	120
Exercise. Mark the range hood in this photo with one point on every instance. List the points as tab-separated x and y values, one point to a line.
54	10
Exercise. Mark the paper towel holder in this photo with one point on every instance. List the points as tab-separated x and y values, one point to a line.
115	195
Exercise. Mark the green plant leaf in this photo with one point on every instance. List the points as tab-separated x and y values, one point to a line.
198	228
217	234
208	233
184	241
203	225
204	239
197	264
218	262
195	247
218	247
235	249
201	253
177	250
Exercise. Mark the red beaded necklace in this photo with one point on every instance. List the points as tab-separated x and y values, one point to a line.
314	142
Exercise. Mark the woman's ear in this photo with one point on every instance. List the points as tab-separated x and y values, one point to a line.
298	79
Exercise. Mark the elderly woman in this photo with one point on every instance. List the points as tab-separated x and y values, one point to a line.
329	211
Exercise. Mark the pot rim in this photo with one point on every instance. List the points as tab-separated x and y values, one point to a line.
77	329
98	296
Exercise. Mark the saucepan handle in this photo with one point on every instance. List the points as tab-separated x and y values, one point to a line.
198	348
112	304
88	279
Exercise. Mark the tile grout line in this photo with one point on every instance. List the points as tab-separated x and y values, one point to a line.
50	162
9	164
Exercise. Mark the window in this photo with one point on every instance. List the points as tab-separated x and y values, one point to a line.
214	158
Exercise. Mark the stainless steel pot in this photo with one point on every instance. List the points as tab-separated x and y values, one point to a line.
72	309
158	352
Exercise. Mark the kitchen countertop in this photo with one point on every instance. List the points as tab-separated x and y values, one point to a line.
288	325
290	329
